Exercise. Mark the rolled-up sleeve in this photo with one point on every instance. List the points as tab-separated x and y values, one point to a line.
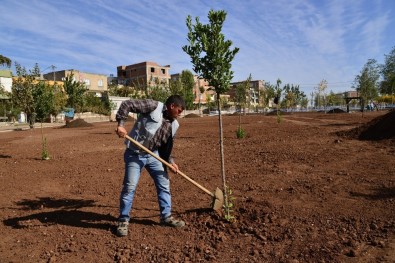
135	106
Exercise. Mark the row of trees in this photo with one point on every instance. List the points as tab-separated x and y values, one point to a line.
375	82
375	79
39	99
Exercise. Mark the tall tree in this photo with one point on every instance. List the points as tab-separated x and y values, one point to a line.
277	99
4	61
367	82
175	87
22	93
387	86
158	92
269	93
211	56
187	83
44	100
75	91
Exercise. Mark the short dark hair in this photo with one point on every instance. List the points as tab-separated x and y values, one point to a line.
176	99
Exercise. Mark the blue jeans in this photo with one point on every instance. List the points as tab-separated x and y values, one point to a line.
134	163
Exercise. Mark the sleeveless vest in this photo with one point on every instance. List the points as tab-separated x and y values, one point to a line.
146	126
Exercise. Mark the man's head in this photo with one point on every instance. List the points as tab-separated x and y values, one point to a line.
175	105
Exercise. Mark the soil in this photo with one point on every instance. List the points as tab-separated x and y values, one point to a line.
307	189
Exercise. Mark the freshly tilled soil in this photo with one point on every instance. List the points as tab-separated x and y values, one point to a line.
307	189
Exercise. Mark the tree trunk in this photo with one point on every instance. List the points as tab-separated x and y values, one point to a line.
221	145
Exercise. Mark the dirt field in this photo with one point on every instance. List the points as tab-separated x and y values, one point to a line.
305	189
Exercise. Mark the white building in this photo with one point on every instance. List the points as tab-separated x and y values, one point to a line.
6	79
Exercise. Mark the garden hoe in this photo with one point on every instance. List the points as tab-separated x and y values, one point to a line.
218	196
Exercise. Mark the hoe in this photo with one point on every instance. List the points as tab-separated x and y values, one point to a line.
217	196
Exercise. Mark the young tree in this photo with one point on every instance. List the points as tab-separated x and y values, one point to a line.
242	90
322	86
44	101
367	82
211	57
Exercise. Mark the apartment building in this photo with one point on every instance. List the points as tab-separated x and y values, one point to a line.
96	83
256	87
144	74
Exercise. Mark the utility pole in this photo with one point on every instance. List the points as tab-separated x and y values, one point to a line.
53	70
54	86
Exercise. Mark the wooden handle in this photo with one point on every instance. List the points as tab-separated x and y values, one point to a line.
167	164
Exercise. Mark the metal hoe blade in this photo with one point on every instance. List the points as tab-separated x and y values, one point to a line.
218	200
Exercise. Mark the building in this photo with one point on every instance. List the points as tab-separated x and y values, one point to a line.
350	94
6	80
256	88
96	83
143	75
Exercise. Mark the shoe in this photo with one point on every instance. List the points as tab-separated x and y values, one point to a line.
172	222
122	229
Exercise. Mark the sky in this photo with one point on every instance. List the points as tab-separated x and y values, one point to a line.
300	42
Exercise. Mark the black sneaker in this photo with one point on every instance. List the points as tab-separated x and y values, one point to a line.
172	222
122	229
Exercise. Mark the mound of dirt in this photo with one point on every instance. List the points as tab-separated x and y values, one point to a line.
336	111
274	113
380	128
78	123
192	115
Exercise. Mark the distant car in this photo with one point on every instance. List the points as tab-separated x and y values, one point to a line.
214	112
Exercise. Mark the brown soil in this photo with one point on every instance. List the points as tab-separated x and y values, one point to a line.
77	123
302	194
192	115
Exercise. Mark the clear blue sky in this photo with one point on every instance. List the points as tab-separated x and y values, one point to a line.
299	41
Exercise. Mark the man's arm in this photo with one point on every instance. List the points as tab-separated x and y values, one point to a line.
135	106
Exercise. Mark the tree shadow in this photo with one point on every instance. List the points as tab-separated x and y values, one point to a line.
73	218
5	156
48	202
67	213
379	194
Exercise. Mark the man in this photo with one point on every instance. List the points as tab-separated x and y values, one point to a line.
155	128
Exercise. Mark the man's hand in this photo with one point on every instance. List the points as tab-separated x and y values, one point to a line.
174	168
121	131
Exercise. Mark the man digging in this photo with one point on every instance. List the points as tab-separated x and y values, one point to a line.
155	129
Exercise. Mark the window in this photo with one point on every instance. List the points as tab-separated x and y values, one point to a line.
152	70
100	83
163	71
87	82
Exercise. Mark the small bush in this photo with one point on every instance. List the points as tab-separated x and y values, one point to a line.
240	133
279	117
229	206
44	152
